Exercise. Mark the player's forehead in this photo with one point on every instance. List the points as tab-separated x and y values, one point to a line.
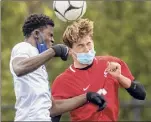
84	40
48	29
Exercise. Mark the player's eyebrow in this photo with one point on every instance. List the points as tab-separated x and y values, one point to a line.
88	42
80	44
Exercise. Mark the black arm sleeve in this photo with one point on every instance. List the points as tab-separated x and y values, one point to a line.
137	90
56	118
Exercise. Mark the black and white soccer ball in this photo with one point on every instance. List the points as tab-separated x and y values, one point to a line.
69	10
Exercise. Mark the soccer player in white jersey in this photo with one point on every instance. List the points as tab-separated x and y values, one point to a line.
33	98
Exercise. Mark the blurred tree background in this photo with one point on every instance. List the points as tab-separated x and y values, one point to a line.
121	28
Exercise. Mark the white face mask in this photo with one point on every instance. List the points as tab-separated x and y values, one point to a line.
86	58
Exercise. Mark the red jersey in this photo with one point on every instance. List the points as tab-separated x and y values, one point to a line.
74	82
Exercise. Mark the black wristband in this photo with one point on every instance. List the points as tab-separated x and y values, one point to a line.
137	90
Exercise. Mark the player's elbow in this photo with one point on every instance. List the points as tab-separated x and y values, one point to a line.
19	72
57	109
137	91
53	112
144	95
141	95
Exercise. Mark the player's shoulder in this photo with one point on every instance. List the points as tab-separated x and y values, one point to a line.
21	45
60	80
108	58
64	76
23	48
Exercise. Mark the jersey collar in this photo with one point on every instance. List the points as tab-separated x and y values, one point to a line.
73	69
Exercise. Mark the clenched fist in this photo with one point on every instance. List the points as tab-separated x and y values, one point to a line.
61	50
96	99
114	69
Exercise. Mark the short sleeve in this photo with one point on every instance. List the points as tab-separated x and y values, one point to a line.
21	50
126	71
63	88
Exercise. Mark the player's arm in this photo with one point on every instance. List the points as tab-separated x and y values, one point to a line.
137	90
61	106
116	70
134	88
122	73
22	66
65	105
125	82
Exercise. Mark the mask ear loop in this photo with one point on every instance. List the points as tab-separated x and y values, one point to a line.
41	38
74	54
41	45
105	75
104	84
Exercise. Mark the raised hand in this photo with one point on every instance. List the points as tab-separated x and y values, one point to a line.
61	50
114	69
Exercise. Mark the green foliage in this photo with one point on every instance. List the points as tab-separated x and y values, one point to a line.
12	18
121	29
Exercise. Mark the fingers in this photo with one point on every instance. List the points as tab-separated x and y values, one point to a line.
98	100
102	106
101	102
112	66
102	98
65	51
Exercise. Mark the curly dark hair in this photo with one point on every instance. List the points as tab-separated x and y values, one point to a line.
35	21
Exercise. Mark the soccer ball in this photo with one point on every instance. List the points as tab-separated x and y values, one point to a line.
69	10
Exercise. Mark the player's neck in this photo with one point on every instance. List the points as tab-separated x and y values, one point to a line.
79	66
31	40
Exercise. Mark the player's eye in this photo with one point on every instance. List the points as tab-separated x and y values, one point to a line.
89	43
50	34
80	45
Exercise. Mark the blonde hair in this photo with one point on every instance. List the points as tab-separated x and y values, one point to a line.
77	30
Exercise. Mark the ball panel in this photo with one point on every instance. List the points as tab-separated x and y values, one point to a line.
76	3
73	14
61	6
60	16
83	8
69	10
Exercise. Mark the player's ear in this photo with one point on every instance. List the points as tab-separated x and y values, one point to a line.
36	33
70	51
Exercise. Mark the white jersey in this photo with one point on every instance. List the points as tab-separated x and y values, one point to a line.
33	98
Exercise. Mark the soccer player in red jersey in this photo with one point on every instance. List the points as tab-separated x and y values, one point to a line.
101	74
